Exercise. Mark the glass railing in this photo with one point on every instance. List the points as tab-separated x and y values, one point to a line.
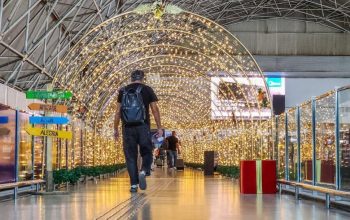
313	141
292	145
305	112
343	112
325	153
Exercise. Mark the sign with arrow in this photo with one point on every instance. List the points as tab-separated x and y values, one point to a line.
45	107
48	94
4	119
48	120
48	132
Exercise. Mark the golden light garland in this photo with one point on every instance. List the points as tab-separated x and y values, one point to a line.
181	53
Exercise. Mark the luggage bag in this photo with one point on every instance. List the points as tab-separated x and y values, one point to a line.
159	162
180	164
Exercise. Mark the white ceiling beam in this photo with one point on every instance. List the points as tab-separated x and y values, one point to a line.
22	17
25	58
36	42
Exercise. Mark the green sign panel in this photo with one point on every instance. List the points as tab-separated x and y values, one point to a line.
48	95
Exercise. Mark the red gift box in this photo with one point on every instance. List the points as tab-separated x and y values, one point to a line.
327	171
258	176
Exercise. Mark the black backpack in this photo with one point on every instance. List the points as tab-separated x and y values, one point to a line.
133	111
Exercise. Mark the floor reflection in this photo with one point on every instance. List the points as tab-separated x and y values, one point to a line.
170	195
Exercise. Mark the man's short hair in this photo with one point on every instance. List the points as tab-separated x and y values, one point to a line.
137	75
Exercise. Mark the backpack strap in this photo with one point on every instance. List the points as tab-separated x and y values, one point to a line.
139	88
123	90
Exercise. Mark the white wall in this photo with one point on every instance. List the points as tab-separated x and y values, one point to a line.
14	98
299	90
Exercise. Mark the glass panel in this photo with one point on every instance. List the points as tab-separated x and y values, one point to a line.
38	155
91	144
77	151
306	142
281	146
266	141
55	150
344	136
69	147
325	136
25	149
292	145
62	150
96	150
254	142
7	145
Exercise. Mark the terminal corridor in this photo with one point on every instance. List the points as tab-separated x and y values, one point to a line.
241	107
184	195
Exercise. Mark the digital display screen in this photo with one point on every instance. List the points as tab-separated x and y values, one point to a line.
236	98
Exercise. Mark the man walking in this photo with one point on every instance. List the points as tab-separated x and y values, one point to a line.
133	105
173	146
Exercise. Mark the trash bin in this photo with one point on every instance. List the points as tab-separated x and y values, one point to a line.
209	162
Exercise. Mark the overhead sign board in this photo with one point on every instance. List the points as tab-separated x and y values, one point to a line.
51	108
48	94
48	120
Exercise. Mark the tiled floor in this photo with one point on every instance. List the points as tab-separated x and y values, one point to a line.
170	195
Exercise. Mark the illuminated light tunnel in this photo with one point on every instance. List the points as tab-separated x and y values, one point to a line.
211	90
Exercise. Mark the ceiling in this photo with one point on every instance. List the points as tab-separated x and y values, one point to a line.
36	35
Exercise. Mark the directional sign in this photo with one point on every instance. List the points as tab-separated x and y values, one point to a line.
48	132
4	119
4	131
48	95
48	120
51	108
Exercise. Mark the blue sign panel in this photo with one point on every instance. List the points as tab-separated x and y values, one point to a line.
4	119
48	120
274	82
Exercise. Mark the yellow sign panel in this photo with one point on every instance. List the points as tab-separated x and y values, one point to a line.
48	132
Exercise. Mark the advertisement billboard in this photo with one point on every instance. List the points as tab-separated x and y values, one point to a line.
236	98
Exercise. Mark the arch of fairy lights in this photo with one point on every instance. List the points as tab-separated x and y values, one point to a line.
180	52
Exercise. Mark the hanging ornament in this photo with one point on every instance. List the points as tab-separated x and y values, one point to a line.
158	11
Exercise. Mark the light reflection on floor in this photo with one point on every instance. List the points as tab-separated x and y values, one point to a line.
171	195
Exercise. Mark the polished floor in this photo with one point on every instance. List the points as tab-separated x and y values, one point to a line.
170	195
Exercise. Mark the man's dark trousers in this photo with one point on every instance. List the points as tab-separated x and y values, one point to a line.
132	137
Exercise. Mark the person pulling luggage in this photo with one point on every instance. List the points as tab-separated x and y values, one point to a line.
173	147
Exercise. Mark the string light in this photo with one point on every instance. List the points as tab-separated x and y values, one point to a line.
181	53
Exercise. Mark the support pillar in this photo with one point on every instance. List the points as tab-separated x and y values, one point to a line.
48	156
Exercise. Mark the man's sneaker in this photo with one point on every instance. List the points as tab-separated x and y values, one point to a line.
142	180
133	188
